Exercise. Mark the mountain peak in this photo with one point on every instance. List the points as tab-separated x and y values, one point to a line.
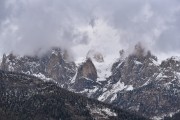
88	70
50	65
139	50
142	55
171	63
95	56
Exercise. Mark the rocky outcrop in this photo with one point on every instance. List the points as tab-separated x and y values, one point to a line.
144	86
86	79
97	56
87	70
135	70
52	65
25	97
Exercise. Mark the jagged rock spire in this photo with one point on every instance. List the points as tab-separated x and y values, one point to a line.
95	55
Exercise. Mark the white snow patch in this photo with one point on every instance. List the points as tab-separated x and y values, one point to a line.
42	76
106	112
84	91
104	68
74	78
80	60
109	112
89	92
115	88
119	65
155	62
157	118
165	115
160	76
54	52
146	83
129	88
114	97
28	72
177	74
10	67
137	62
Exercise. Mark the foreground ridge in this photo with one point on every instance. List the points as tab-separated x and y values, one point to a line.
24	97
134	82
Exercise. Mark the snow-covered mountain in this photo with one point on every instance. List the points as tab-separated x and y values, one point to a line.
138	83
52	65
135	82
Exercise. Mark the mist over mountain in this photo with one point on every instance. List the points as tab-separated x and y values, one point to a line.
135	82
121	52
28	27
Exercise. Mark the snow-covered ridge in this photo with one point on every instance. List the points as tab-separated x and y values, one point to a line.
119	86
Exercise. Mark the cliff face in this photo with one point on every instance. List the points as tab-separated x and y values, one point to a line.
135	69
135	82
86	78
87	70
51	65
140	84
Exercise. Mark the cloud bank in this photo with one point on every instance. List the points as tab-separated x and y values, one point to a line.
31	26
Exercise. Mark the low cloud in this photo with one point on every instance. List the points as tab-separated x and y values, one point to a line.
81	25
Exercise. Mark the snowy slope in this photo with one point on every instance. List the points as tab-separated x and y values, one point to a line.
137	82
103	69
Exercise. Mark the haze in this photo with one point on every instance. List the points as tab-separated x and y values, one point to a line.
28	26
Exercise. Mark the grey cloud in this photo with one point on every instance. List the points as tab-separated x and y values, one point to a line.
43	24
141	20
40	24
2	9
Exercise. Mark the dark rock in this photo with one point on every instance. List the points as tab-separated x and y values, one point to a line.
86	77
50	65
25	97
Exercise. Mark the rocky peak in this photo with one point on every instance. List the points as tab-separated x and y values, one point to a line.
142	55
95	55
86	79
139	50
136	68
63	54
66	56
122	54
155	87
87	70
172	63
49	65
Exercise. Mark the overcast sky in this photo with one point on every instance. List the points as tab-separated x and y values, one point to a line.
28	26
